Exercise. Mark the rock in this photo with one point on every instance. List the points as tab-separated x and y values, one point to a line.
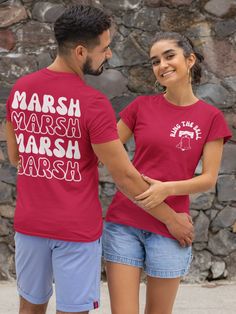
226	186
131	50
199	269
5	261
202	201
4	227
111	82
200	246
130	144
221	8
109	189
44	60
180	18
28	3
214	94
212	213
12	14
141	79
47	12
231	266
119	103
225	28
199	30
13	66
104	175
214	51
217	269
231	82
179	2
105	202
5	193
201	226
146	19
153	3
2	111
2	131
7	40
8	175
194	213
228	164
44	41
232	39
230	118
2	158
225	218
121	4
4	91
7	211
223	243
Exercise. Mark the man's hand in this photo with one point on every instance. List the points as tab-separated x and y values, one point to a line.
181	227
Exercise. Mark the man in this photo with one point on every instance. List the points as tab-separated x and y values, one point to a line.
57	129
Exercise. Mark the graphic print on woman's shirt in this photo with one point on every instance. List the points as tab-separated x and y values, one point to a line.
185	132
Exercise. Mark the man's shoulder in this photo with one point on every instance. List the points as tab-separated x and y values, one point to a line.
92	95
28	77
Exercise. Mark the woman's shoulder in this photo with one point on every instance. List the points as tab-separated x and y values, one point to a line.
208	107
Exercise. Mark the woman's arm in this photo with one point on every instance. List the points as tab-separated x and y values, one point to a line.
159	191
12	148
123	131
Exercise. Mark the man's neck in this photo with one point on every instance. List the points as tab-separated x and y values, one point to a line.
63	65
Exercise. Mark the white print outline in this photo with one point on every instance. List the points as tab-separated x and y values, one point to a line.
47	125
47	104
36	136
42	167
187	131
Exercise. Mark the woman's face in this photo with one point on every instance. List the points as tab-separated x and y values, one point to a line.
169	64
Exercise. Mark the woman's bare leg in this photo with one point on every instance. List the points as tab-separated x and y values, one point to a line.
161	295
123	284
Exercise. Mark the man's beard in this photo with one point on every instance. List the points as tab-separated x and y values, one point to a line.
87	68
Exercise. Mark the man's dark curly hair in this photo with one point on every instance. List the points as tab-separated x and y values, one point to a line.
80	25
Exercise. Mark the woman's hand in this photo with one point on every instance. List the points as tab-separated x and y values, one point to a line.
154	195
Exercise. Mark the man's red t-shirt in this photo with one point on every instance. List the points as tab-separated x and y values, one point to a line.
56	117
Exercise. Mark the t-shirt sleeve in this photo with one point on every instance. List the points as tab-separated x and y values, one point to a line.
219	129
129	114
101	121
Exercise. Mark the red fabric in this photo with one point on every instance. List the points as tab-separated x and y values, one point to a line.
169	143
56	117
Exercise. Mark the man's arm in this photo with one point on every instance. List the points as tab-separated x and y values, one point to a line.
12	148
158	191
129	181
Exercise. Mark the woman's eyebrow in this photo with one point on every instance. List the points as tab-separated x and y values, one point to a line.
164	53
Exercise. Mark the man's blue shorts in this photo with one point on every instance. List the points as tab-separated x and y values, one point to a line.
75	267
159	256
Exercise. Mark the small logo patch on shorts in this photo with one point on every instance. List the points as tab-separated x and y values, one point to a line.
95	304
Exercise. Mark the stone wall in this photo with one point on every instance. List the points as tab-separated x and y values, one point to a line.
27	44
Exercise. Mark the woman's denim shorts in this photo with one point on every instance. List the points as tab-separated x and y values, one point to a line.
159	256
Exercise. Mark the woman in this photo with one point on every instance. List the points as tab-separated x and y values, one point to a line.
172	132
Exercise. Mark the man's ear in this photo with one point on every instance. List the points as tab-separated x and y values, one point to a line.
81	53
